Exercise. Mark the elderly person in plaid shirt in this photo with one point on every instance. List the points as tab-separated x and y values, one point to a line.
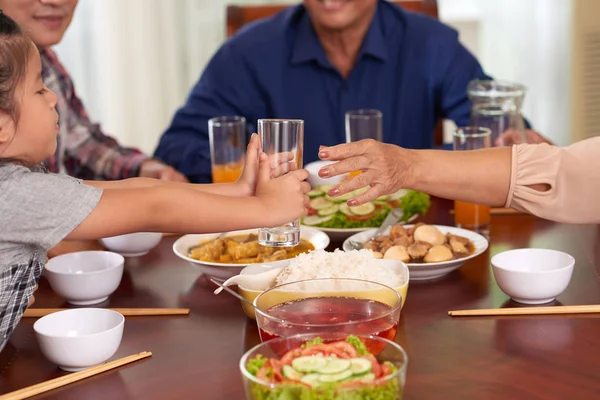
83	151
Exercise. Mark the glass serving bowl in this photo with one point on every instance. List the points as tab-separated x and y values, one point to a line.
350	306
390	387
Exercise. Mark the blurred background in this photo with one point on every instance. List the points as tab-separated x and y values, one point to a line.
134	61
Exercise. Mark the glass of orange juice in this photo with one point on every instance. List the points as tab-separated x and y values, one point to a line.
227	137
469	215
363	124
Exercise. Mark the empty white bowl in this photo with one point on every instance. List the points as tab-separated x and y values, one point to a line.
85	277
79	338
315	180
533	276
132	244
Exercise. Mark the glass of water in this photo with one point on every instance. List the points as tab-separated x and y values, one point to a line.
364	124
282	140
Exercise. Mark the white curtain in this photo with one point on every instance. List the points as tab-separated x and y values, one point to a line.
134	61
527	41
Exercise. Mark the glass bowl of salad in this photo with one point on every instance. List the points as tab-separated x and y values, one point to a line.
350	306
330	366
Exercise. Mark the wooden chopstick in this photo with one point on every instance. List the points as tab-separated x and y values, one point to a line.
71	378
500	211
587	309
127	312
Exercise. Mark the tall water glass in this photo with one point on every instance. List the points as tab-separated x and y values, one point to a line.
472	216
227	137
363	124
282	140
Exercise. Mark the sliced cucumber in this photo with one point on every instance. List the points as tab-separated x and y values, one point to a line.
323	212
319	203
335	366
325	188
339	199
315	193
370	377
360	191
380	198
398	195
364	209
381	202
291	373
340	376
345	209
311	379
315	220
309	363
360	366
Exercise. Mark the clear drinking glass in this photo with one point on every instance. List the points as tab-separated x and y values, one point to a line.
468	215
227	136
282	140
497	105
363	124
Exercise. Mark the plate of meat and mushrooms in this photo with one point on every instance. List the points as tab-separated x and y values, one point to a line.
429	251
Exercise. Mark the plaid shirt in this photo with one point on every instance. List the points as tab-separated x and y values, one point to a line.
17	283
83	151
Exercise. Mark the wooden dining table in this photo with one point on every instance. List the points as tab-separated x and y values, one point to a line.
197	356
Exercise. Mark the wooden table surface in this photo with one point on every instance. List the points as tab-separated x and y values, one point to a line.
197	356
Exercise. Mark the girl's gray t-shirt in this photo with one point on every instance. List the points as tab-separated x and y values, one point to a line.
37	211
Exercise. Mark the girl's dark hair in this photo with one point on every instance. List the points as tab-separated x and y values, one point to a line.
15	50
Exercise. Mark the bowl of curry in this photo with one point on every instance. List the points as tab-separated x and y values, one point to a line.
225	255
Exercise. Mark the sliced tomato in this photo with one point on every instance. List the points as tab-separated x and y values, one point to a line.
385	370
262	374
347	348
276	365
361	217
351	384
311	211
286	380
290	355
324	349
395	204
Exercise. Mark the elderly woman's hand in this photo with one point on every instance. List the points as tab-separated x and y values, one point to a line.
385	168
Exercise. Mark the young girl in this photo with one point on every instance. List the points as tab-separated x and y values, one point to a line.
38	210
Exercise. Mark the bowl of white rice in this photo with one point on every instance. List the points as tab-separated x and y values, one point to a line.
320	264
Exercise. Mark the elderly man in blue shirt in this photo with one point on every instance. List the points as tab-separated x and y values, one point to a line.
318	60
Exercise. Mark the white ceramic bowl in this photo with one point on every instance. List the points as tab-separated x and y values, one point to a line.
533	276
425	271
315	180
319	240
79	338
85	277
133	244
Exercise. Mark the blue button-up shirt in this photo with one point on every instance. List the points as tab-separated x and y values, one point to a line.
410	67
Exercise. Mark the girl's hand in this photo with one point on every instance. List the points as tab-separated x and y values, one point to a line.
279	163
283	198
249	177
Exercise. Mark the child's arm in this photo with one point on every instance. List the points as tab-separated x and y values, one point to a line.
178	208
243	187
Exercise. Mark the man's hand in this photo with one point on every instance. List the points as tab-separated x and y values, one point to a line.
157	170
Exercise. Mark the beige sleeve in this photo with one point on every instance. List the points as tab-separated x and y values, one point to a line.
571	173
